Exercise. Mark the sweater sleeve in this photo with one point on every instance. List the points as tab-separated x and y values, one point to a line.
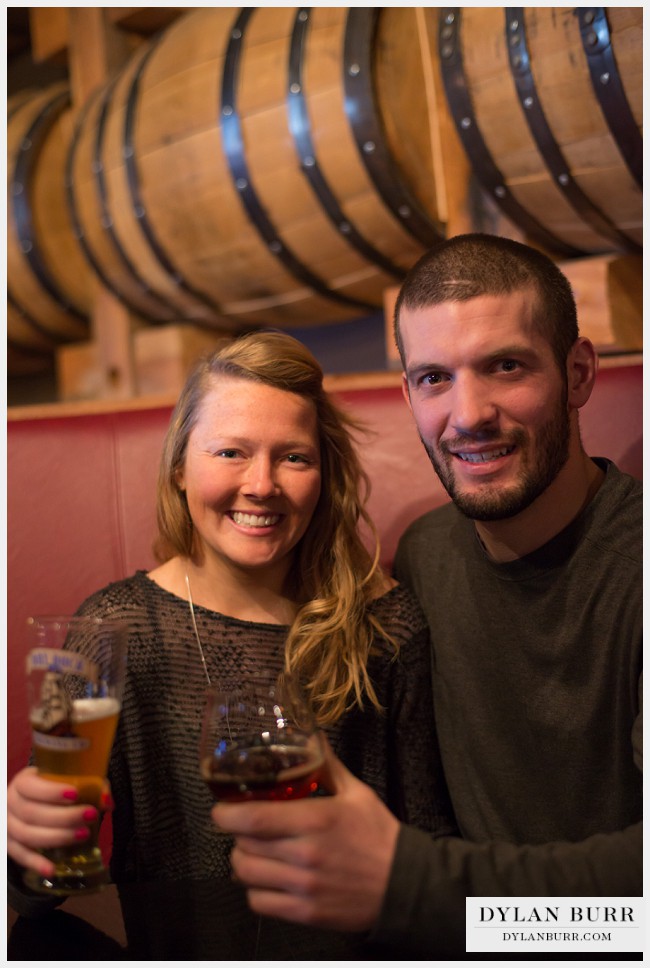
424	906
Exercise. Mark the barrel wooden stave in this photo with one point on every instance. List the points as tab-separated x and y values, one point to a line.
37	319
564	88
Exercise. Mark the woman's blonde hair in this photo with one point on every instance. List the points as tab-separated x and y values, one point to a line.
334	577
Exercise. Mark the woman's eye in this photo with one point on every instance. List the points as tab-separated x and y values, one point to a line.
297	459
226	453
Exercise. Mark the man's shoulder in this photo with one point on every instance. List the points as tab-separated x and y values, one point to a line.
439	518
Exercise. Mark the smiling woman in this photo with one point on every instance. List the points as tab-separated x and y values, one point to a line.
260	498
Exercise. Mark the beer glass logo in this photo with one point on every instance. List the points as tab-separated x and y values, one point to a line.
52	718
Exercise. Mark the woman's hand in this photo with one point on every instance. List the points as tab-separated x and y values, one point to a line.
42	814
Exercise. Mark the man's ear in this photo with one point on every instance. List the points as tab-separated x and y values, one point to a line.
405	391
582	367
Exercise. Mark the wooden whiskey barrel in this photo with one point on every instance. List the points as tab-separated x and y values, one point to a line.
261	166
48	281
548	104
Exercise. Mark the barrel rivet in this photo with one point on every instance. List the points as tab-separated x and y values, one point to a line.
25	144
107	221
295	88
563	178
139	211
236	34
465	123
515	40
589	17
604	78
528	102
17	189
354	69
449	18
500	191
275	245
446	51
404	211
25	245
241	184
514	25
309	161
516	60
344	227
447	33
227	110
303	15
592	38
369	147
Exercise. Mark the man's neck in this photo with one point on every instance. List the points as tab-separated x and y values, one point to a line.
570	492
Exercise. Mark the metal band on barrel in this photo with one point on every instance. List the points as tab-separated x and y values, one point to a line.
608	87
21	181
368	131
105	215
300	127
520	67
233	144
53	338
483	164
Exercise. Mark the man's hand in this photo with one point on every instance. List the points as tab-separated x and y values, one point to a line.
323	861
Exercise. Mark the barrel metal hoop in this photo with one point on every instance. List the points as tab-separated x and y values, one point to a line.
55	339
43	355
368	130
608	88
23	175
300	128
133	180
520	68
462	111
102	196
234	149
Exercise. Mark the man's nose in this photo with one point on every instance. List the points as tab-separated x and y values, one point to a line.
473	406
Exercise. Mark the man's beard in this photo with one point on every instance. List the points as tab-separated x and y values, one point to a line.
492	503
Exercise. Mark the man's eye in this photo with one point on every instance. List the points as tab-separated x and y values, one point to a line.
432	379
508	366
226	453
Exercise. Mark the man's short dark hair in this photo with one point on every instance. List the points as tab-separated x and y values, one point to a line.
466	266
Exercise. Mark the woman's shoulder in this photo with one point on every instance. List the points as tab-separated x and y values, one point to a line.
125	595
399	612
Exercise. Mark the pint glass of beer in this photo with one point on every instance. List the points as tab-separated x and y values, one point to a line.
75	675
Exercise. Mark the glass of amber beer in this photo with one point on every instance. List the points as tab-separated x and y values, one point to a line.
75	676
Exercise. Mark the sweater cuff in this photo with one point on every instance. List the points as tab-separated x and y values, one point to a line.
421	912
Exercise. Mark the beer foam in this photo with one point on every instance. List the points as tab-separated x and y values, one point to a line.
84	710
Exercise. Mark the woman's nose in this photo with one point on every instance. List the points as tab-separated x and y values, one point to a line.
261	480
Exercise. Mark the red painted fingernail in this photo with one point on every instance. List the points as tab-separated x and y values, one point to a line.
106	801
90	814
81	833
70	794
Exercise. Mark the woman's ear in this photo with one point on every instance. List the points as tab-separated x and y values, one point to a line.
179	477
582	367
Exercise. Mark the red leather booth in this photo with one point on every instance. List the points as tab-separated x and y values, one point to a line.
81	494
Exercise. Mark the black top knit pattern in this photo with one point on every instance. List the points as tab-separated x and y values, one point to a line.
161	821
